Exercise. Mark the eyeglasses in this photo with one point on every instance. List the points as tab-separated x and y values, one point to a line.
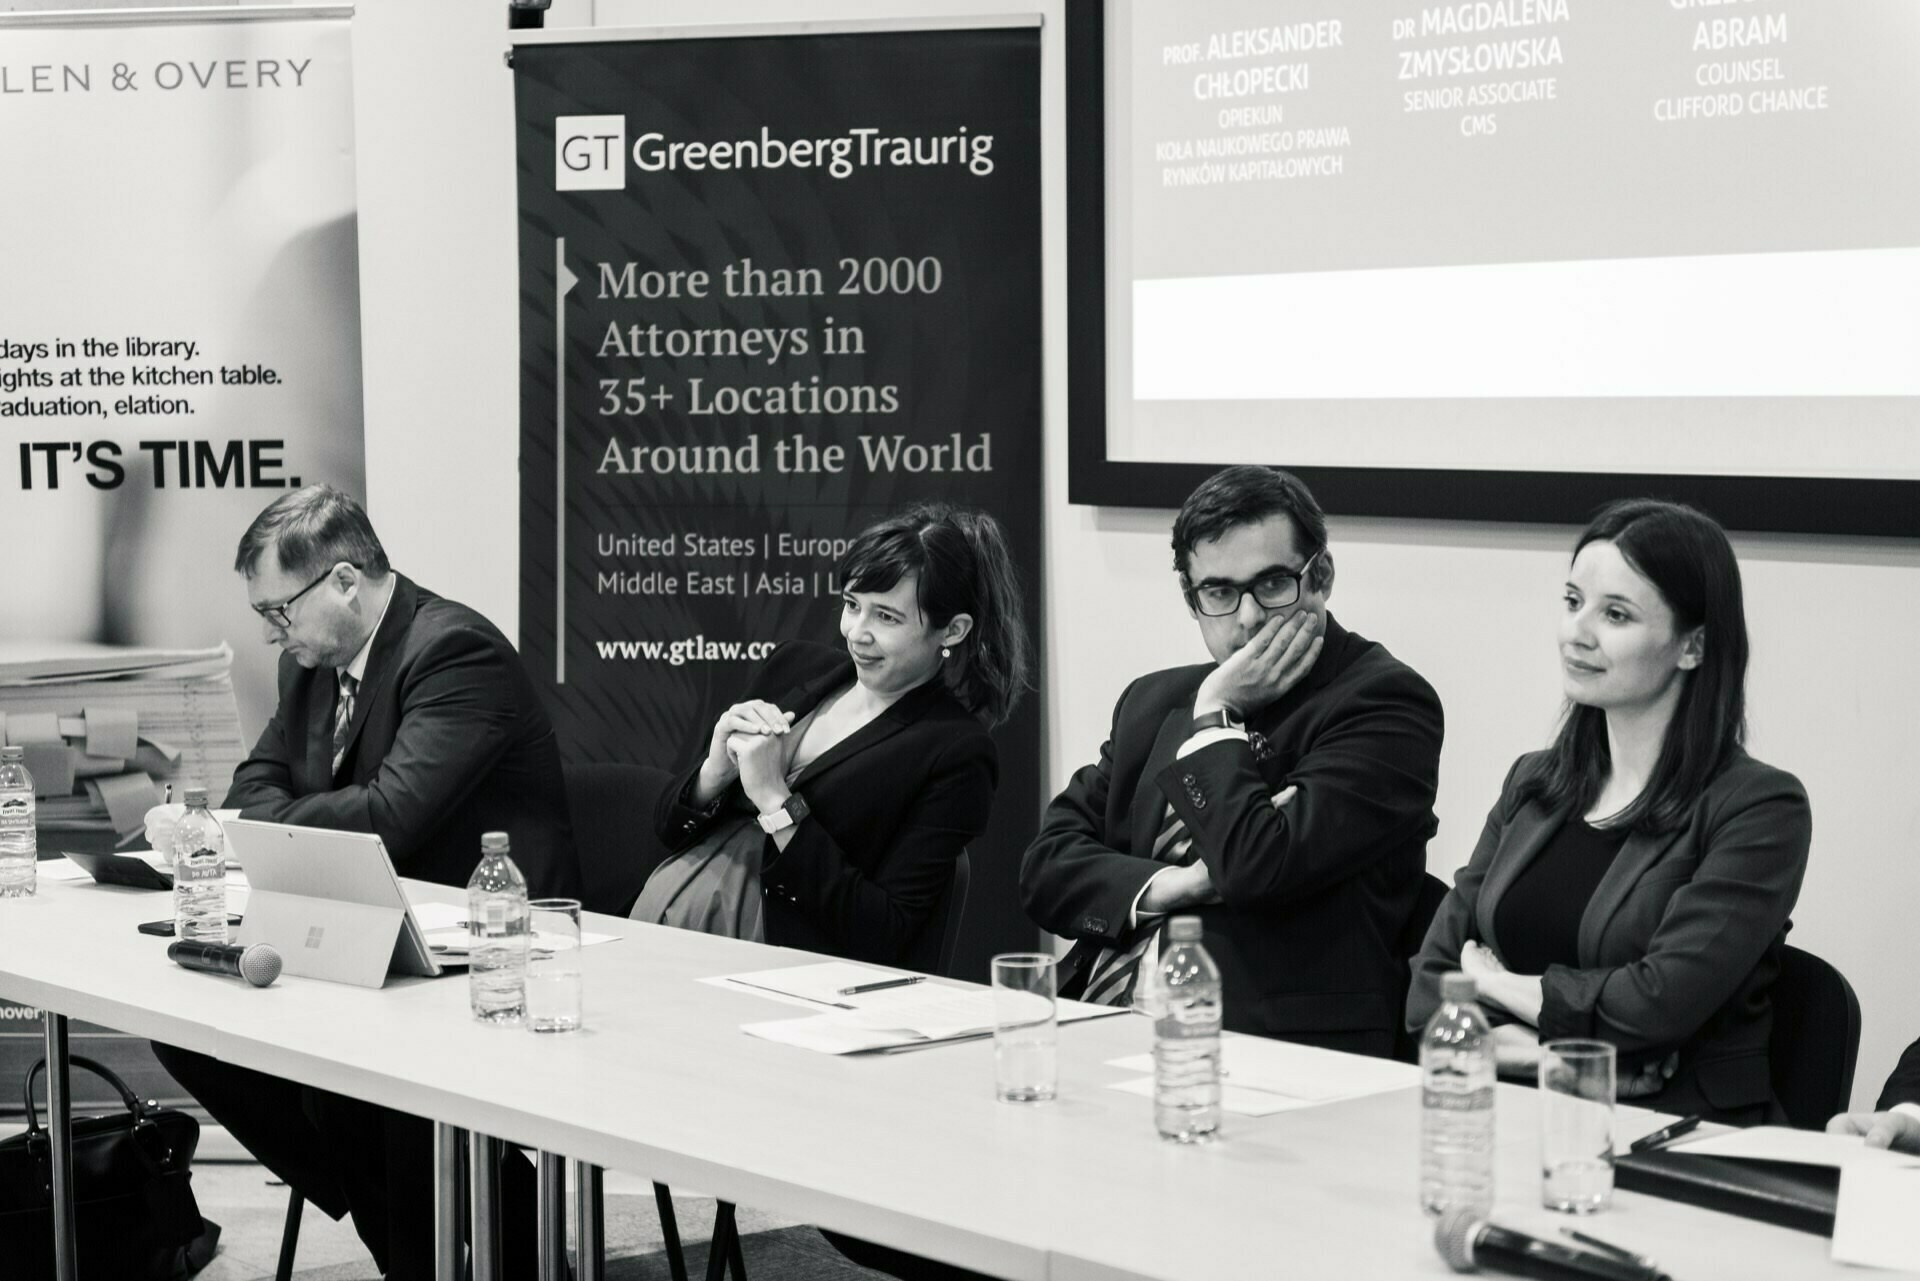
1273	590
277	614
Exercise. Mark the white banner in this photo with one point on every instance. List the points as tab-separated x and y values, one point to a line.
179	319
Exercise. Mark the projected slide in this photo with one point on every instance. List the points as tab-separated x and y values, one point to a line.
1650	236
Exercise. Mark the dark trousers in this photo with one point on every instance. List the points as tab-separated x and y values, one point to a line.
350	1157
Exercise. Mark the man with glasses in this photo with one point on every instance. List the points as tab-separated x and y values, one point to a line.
1283	793
410	716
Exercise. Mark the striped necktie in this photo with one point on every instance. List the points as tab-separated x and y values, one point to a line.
1111	980
342	718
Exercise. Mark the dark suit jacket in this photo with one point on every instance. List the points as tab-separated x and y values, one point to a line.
1904	1085
1678	945
891	807
1313	895
448	740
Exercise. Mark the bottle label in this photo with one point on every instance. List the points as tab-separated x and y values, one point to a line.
16	811
197	867
1457	1100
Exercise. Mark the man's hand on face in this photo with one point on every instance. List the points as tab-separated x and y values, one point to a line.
1280	654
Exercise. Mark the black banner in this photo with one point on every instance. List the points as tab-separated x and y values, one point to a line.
772	288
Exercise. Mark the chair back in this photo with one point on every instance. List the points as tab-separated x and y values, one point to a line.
1406	1045
933	951
1816	1039
612	805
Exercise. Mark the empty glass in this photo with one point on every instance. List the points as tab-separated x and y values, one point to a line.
1025	1027
1576	1125
553	965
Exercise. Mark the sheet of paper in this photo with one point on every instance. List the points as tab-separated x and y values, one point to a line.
62	869
819	984
1778	1143
445	925
1304	1073
902	1018
1875	1224
1234	1098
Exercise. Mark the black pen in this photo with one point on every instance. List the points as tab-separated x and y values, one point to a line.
1666	1134
1608	1248
858	988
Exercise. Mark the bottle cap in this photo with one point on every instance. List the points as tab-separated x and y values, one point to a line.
1184	929
1458	987
13	753
493	843
196	796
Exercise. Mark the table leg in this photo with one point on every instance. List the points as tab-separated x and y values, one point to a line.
589	1222
66	1264
551	1194
483	1192
447	1188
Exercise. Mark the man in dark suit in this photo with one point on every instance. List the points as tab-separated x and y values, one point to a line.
1897	1123
408	716
1283	793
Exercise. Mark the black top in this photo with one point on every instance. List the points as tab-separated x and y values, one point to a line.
1538	921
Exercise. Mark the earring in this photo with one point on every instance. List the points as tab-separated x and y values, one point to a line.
945	653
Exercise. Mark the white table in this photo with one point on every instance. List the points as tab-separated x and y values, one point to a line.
909	1150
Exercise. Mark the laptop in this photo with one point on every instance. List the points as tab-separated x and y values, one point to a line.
121	869
329	902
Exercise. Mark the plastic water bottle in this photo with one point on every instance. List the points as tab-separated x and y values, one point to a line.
199	859
19	847
1456	1103
497	935
1186	1037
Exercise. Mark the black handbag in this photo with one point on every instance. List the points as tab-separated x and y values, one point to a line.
134	1211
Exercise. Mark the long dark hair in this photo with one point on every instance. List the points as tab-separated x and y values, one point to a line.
962	565
1685	555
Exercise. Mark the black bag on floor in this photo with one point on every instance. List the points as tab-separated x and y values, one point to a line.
135	1215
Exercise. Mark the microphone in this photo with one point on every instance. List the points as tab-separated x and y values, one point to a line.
1467	1241
258	963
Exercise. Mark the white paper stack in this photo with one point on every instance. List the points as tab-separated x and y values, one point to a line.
106	726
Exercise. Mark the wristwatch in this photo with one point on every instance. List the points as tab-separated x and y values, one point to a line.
1219	718
786	816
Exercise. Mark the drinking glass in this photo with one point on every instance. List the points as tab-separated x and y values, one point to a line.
553	965
1025	1027
1576	1125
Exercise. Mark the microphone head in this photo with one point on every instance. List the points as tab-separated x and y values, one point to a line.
260	964
1453	1237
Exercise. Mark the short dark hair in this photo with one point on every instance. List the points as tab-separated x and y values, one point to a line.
1686	556
309	530
1247	495
962	566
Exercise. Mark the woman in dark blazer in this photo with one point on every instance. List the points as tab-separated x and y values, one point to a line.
1634	881
870	767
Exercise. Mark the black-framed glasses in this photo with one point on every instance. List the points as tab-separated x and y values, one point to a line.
1275	589
277	614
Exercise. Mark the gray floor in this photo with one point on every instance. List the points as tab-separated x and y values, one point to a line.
251	1210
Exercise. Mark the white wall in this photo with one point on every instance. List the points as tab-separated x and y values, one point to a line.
1472	607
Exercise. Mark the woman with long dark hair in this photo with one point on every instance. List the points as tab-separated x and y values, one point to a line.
1634	880
849	779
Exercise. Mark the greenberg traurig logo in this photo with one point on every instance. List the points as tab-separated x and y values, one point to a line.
590	152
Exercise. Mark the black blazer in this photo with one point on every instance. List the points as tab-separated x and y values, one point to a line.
1678	946
890	808
1904	1085
448	740
1313	895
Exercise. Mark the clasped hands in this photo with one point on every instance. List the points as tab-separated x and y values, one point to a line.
1192	885
751	743
1516	1046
